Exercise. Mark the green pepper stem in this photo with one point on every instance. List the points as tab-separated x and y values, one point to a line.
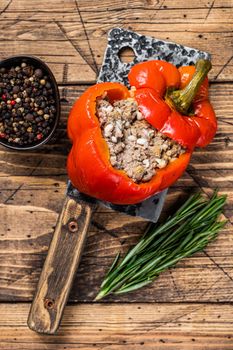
181	100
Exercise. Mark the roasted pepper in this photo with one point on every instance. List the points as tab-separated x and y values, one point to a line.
163	106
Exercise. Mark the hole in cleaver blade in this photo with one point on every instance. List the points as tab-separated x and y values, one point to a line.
113	69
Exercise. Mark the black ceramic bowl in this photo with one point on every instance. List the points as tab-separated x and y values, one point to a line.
36	63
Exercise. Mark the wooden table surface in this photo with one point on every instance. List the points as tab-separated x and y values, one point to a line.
188	307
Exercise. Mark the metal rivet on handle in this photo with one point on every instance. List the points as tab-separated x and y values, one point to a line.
73	226
49	303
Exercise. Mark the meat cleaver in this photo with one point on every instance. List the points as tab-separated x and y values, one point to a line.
72	226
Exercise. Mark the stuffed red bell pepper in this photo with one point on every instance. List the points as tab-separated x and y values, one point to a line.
131	144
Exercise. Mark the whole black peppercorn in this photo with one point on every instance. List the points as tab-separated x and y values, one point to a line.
28	90
52	109
7	116
27	71
48	85
15	89
29	117
38	73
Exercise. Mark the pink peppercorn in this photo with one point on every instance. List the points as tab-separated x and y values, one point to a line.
39	136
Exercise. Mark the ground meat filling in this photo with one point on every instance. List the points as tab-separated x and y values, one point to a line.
135	146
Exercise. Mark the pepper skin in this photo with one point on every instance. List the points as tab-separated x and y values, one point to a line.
188	130
89	167
204	115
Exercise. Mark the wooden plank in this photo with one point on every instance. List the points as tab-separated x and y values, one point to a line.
115	327
69	6
154	4
205	277
32	41
72	38
108	5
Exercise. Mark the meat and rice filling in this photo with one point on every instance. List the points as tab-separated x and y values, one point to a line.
135	146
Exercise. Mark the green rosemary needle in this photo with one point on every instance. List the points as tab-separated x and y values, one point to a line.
189	230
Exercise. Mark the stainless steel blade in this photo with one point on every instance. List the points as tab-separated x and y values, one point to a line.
149	209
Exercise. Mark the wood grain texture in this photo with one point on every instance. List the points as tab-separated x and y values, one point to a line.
125	326
188	307
71	37
60	266
32	189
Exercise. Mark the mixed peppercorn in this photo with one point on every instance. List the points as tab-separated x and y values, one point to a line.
27	105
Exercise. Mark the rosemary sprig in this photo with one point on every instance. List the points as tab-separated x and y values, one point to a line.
189	230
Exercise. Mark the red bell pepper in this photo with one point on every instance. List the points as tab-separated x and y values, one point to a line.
169	113
89	167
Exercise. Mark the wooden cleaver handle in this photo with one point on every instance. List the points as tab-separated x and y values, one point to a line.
60	266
